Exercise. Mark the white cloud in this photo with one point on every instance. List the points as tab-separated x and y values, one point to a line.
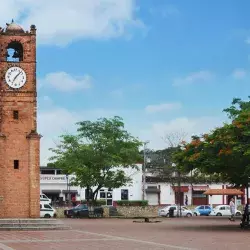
64	82
55	121
195	77
239	73
190	126
248	40
62	21
162	107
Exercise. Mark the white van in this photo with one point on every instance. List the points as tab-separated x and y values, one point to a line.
46	211
45	199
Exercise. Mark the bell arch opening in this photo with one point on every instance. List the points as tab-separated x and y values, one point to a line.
14	52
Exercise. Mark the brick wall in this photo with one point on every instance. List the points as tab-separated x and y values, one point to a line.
19	188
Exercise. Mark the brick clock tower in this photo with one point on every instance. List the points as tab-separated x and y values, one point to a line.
19	140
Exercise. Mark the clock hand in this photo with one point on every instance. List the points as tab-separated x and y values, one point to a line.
16	77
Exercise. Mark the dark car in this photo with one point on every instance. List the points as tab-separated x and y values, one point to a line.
83	210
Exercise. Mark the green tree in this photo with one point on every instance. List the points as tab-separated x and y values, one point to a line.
98	154
225	151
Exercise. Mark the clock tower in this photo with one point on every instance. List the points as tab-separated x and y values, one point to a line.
19	140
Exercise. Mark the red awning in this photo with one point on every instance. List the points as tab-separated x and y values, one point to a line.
183	189
200	188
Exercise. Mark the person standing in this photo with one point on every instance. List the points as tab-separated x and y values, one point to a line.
232	209
186	200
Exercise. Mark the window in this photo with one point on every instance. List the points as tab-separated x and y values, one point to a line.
14	52
222	208
124	194
15	114
47	206
16	164
47	171
103	195
201	207
207	207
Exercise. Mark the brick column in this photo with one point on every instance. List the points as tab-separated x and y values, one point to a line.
34	174
2	174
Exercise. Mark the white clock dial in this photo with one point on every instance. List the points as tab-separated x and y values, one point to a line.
15	77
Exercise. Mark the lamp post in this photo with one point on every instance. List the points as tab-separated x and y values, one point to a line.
144	169
67	196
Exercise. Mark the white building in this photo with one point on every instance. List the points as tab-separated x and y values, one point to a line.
159	193
56	186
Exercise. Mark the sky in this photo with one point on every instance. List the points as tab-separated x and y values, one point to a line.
164	66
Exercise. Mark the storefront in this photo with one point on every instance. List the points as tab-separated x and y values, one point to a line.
198	196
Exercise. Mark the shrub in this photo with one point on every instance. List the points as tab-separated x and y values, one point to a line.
132	203
96	203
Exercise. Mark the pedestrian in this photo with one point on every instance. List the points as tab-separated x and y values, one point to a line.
186	200
232	209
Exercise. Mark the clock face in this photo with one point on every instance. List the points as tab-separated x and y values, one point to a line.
15	77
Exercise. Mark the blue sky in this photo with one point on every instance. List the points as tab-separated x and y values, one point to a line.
162	65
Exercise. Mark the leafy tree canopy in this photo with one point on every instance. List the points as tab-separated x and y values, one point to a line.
98	154
225	151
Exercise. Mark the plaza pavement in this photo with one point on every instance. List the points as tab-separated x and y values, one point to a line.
186	233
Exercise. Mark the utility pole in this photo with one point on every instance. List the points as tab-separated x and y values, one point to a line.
144	169
179	190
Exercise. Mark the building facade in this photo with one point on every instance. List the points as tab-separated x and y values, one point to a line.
57	187
19	140
158	193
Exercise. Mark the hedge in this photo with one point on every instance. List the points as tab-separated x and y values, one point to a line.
132	203
97	202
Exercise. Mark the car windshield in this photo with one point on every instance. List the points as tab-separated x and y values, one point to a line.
80	206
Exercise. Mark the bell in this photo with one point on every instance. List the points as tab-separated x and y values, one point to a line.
16	54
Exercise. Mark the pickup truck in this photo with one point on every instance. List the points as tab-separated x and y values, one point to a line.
83	210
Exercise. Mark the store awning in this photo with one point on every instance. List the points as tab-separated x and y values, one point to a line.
200	188
51	191
223	192
182	189
69	191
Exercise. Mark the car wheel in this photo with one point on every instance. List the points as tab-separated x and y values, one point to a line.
189	215
238	214
47	216
218	214
195	214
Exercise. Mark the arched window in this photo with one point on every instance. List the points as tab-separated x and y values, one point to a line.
14	52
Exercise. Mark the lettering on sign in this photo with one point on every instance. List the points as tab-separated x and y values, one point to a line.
52	178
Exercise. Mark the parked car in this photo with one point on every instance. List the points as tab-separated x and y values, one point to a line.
223	210
202	210
184	211
82	210
45	199
46	211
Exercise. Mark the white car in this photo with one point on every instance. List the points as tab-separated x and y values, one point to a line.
46	211
45	199
223	210
184	211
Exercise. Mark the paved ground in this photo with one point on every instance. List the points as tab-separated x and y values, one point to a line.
189	233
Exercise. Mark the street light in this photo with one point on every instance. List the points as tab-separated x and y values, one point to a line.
144	169
67	178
